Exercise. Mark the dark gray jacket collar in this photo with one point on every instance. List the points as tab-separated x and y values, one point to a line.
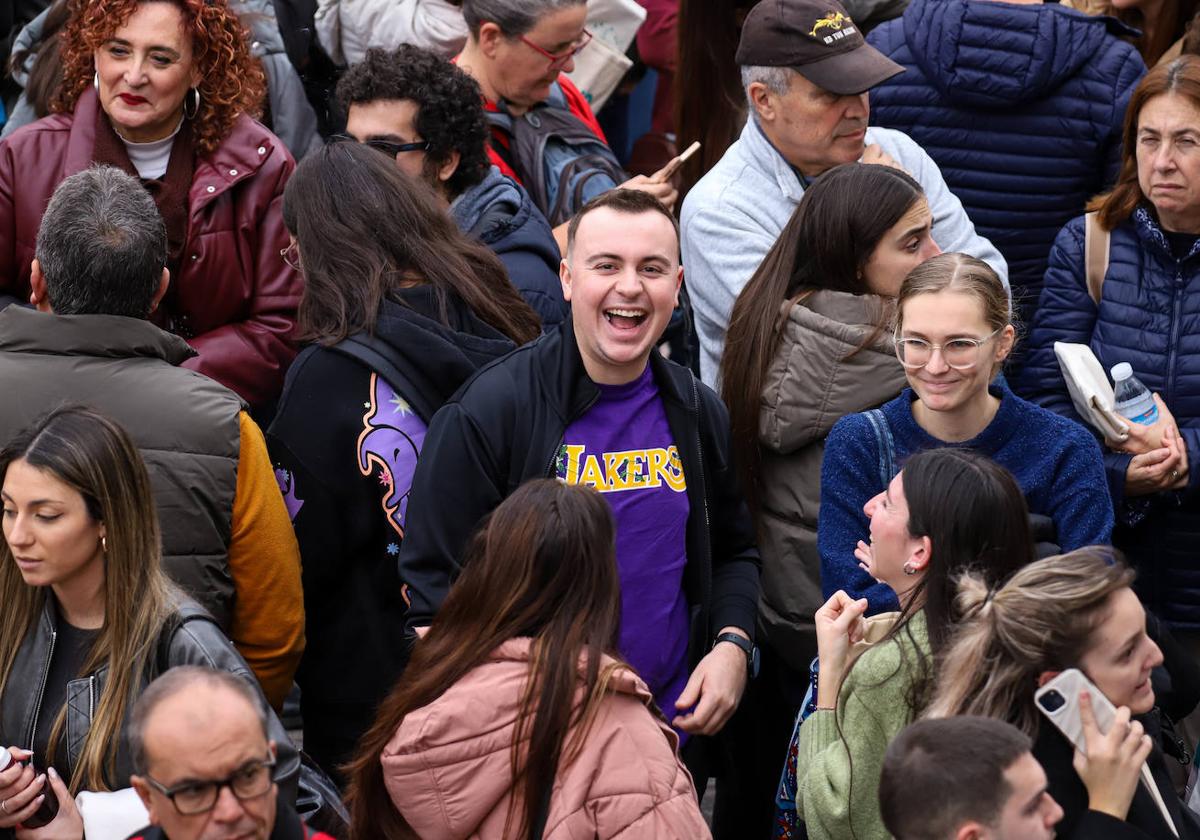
24	330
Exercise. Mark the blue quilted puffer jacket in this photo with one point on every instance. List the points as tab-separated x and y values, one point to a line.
1149	316
1019	106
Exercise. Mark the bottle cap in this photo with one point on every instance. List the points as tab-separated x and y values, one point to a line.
1122	370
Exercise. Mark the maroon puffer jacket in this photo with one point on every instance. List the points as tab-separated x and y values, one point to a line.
235	298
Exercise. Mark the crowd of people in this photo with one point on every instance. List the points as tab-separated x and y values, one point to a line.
395	445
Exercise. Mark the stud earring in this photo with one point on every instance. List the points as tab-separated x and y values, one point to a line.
104	544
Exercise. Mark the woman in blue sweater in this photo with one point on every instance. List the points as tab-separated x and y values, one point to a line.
953	333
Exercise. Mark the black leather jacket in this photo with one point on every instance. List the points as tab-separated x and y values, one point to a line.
190	637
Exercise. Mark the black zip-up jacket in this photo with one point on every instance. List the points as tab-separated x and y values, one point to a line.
504	427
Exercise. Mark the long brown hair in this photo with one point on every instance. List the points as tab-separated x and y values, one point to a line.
1041	620
232	81
710	105
365	228
825	245
93	455
45	73
1171	25
542	566
1180	77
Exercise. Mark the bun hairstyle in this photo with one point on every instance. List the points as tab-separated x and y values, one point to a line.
1042	619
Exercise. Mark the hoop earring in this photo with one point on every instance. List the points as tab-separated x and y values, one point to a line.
96	80
909	569
104	544
195	106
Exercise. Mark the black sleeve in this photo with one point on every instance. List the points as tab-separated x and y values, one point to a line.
734	553
457	482
1182	693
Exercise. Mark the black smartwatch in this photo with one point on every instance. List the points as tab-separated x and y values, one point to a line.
748	647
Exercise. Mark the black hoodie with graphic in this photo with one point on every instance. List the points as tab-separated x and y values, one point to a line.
344	443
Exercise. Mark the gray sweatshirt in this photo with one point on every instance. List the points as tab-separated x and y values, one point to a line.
733	216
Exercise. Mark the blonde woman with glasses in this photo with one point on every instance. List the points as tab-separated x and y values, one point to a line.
953	332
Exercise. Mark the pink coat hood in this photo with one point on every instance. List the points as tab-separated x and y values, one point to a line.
449	766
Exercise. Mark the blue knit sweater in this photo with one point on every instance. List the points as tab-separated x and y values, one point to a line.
1056	462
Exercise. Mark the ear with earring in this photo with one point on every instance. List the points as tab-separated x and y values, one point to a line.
104	543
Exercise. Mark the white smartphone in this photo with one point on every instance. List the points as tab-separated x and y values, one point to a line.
1058	701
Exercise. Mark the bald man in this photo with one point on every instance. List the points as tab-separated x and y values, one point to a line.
204	764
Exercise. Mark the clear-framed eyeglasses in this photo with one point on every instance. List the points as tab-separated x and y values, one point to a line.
249	781
958	353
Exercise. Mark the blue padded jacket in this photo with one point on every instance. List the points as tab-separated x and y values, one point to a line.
1149	316
1019	106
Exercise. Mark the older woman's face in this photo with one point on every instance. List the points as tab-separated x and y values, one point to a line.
524	75
144	71
1168	160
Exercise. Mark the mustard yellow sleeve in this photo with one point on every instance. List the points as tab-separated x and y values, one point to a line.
264	559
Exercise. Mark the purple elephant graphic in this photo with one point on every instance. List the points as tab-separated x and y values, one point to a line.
390	440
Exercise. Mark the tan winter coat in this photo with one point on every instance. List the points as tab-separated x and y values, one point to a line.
811	385
449	767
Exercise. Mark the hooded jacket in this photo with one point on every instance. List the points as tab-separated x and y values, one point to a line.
821	372
448	768
499	213
235	298
1149	315
292	118
345	442
1021	106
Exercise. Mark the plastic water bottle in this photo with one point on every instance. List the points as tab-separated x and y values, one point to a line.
1133	400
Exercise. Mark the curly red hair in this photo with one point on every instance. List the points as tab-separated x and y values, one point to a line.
232	81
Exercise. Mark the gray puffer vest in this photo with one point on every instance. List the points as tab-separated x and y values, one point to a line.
185	424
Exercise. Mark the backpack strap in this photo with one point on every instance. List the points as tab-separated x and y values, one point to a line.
1095	255
885	445
377	356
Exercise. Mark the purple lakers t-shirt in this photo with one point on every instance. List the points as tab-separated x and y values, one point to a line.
622	447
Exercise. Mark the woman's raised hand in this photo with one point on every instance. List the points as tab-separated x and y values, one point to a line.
20	789
839	624
1113	765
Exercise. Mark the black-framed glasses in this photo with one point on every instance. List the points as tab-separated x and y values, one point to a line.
386	146
559	60
958	353
251	780
291	254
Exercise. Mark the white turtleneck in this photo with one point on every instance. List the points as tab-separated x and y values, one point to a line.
150	159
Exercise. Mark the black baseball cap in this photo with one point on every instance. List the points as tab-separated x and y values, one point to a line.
818	40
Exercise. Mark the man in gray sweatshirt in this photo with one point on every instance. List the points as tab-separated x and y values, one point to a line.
806	70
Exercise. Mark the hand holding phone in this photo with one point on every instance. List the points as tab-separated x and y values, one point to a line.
1112	765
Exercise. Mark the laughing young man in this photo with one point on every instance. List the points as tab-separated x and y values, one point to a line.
593	403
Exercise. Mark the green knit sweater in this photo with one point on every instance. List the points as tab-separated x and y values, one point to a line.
840	758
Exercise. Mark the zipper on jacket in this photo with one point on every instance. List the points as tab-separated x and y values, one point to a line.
91	699
708	559
1176	304
37	709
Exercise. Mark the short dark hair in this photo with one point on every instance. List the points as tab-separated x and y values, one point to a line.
632	202
449	105
175	681
102	245
964	758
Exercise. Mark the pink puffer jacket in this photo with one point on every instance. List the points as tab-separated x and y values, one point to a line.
449	766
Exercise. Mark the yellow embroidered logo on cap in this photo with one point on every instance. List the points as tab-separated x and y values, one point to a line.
833	20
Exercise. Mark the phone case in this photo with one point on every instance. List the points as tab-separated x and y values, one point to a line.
1066	718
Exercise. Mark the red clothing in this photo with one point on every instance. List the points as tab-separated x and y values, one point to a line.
235	298
576	102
